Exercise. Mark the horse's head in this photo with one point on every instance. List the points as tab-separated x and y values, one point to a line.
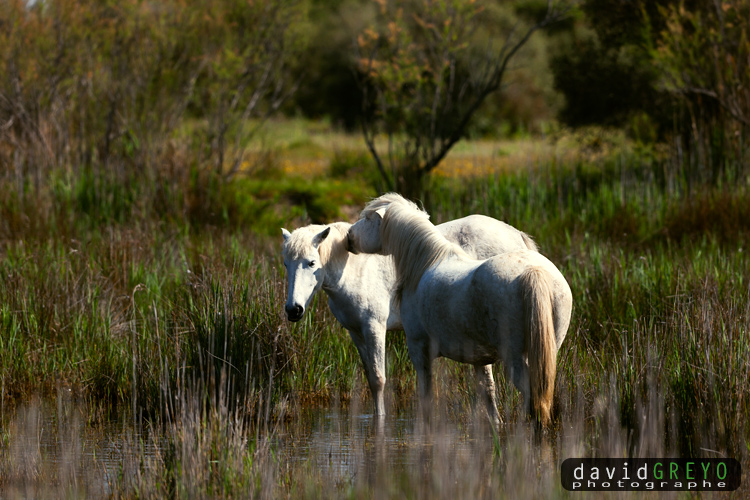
364	235
304	267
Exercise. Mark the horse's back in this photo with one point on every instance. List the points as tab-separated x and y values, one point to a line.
483	237
510	265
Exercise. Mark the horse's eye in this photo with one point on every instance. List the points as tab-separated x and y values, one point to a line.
312	263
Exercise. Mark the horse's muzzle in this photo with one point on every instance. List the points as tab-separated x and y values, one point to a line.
294	313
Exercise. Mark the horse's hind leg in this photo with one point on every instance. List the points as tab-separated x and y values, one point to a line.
519	374
421	358
486	391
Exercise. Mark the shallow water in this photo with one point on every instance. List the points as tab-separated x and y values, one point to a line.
340	443
346	446
48	445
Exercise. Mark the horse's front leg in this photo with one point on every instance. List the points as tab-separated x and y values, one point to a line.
370	343
486	390
375	342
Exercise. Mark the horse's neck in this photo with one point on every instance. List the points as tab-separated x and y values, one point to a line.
422	230
417	245
338	260
358	273
336	255
334	275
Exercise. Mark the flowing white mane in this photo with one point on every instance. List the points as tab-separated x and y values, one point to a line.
388	199
332	250
414	242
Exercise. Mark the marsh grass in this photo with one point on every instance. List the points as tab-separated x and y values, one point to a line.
158	304
660	281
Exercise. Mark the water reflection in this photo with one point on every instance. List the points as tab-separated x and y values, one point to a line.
343	445
49	446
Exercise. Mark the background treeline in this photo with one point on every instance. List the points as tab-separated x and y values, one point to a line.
131	108
134	87
674	71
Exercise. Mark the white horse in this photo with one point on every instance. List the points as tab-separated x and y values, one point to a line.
360	288
514	307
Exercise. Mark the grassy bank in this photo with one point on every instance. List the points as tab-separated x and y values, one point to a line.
158	299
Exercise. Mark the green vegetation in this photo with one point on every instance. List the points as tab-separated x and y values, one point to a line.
142	188
126	307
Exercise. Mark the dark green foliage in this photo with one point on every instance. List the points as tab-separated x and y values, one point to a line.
330	86
725	215
602	67
674	71
602	85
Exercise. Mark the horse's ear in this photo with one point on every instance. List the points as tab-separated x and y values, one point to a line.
318	239
286	234
380	212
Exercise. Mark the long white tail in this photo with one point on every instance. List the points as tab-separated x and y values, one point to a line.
539	330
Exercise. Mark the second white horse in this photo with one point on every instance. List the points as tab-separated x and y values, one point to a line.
514	307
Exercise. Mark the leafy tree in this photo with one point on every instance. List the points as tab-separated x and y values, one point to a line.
425	74
107	84
707	52
247	52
